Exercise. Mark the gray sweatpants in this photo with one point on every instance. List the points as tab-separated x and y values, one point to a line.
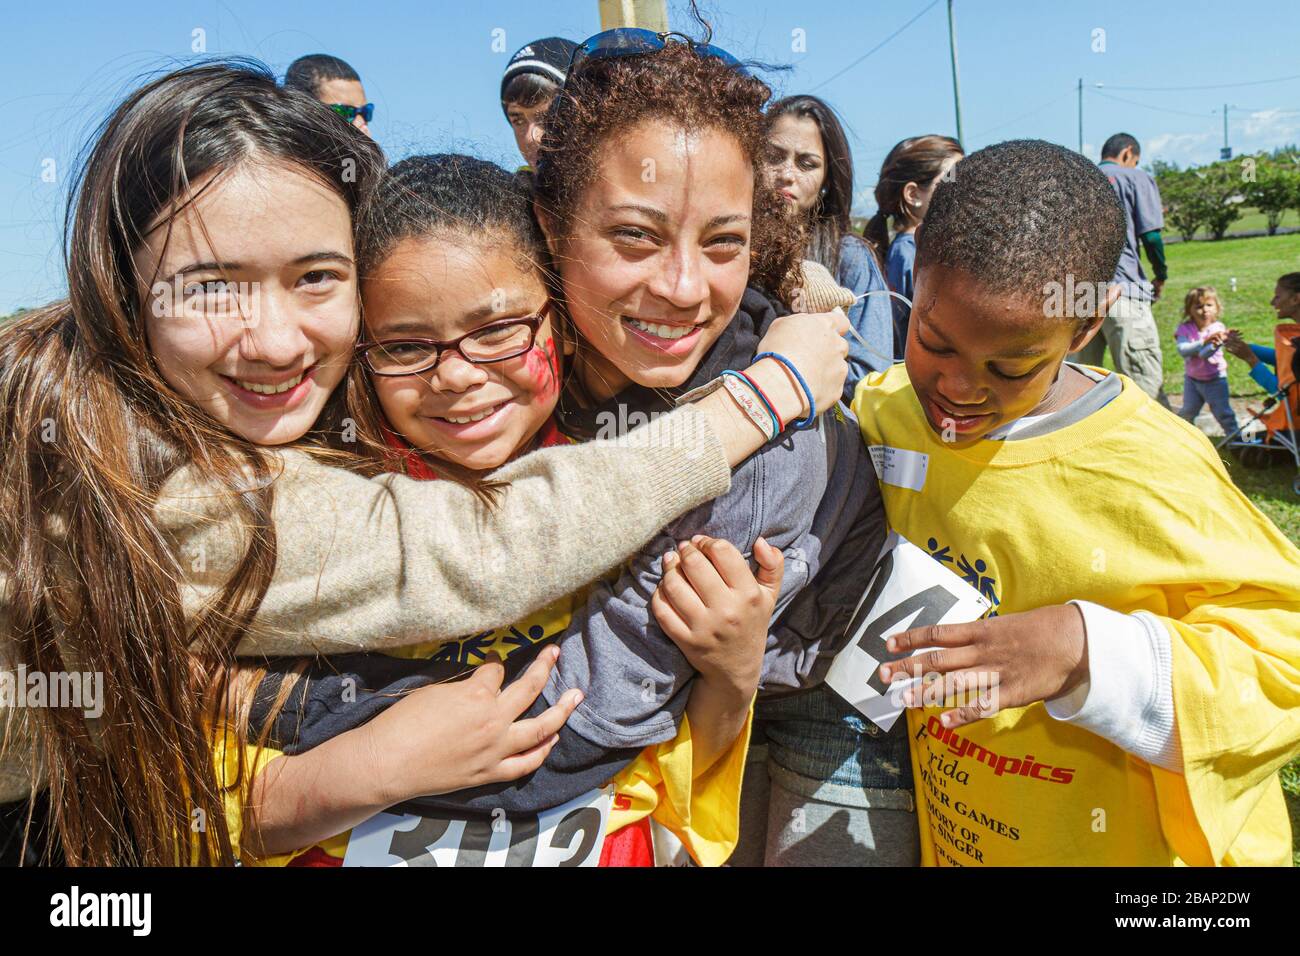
1130	331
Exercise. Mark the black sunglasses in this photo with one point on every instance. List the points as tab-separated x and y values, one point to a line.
350	113
635	41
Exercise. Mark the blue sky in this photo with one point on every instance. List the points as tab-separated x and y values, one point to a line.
432	72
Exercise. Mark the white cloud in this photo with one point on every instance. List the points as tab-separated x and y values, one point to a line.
1173	147
1269	127
1258	131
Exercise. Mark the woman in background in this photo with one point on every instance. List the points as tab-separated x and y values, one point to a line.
810	165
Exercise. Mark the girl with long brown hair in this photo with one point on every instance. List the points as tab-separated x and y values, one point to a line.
907	180
148	531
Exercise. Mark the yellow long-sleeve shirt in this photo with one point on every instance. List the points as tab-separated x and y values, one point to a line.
1132	509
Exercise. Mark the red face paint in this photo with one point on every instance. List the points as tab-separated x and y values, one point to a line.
543	366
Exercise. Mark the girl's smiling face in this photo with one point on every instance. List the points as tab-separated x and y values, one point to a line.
251	312
440	288
656	257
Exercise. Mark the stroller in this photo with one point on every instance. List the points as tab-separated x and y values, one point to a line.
1272	431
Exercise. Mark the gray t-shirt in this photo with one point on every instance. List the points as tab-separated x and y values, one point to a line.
1143	212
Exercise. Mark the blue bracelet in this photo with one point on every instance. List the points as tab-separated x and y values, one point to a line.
811	418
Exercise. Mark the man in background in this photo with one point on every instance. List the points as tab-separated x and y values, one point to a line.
1130	327
533	78
334	83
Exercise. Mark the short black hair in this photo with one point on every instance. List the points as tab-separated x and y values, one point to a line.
307	73
1021	214
1118	143
1290	282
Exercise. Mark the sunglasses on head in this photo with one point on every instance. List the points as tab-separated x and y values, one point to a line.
350	113
634	41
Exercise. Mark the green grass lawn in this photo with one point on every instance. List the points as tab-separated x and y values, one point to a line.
1256	263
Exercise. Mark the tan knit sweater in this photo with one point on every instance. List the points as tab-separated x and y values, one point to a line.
367	563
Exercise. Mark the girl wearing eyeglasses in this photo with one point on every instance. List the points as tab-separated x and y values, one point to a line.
183	482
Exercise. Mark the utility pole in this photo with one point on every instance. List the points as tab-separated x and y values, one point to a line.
1080	114
956	84
1226	152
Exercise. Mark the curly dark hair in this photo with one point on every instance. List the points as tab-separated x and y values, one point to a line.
605	97
1021	214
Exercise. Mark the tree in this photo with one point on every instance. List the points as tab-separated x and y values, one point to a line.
1288	158
1272	186
1222	193
1179	189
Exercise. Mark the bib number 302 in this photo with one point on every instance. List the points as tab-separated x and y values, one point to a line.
569	835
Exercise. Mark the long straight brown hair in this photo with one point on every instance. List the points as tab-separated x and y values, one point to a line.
94	430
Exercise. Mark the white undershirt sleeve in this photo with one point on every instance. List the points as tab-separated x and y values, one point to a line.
1128	695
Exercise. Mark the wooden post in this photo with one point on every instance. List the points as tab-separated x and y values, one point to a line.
647	14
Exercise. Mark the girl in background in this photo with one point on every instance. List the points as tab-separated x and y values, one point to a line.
809	163
907	180
1200	339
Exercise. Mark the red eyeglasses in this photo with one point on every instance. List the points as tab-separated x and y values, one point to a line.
494	342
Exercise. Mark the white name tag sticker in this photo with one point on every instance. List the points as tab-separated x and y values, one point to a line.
900	467
908	588
569	835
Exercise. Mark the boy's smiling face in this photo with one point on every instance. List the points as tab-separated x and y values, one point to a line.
978	359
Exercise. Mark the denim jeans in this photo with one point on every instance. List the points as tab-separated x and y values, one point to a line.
1197	392
826	787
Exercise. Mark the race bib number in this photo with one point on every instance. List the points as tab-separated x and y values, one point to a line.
570	835
908	588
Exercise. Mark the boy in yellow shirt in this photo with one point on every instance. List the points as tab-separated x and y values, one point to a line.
1141	661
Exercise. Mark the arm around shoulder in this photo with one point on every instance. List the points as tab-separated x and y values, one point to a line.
372	563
